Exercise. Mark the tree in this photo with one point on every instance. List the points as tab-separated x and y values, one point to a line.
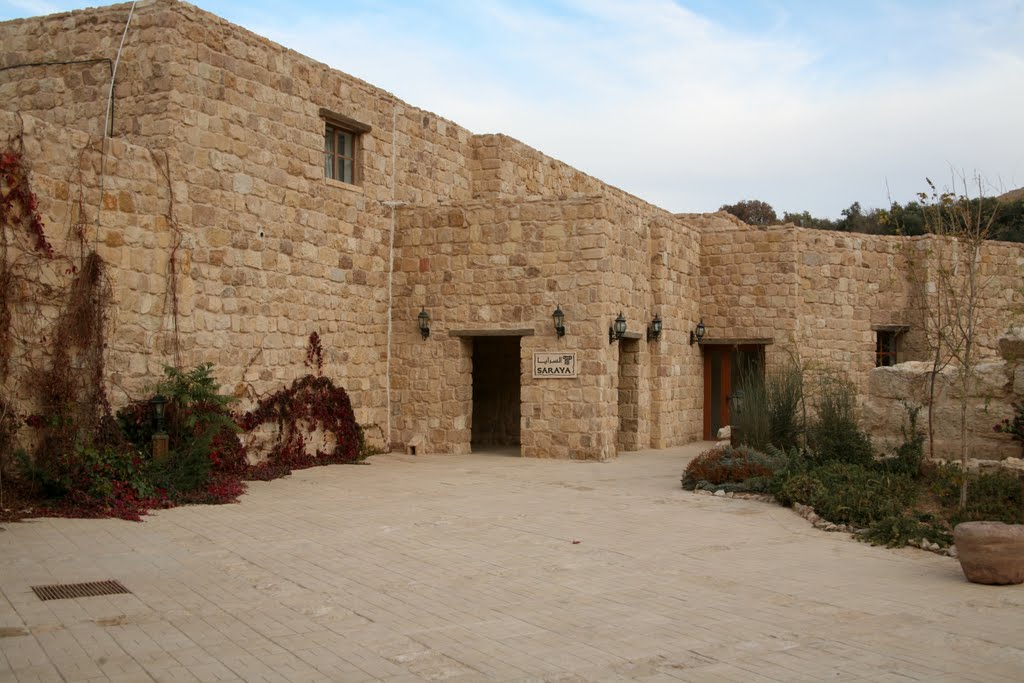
752	212
954	288
804	219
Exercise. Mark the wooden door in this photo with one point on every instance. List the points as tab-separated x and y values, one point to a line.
726	369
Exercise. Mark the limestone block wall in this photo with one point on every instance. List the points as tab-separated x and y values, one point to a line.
675	367
999	382
267	249
133	235
654	264
504	265
246	303
749	282
847	284
503	167
58	68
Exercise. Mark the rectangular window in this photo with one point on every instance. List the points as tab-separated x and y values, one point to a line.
885	348
340	154
342	147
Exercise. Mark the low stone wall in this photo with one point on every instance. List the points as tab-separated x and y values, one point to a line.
998	383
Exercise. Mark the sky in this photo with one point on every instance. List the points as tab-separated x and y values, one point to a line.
691	104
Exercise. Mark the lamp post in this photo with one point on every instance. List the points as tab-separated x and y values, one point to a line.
160	439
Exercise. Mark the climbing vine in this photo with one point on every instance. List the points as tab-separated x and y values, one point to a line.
310	406
19	206
19	215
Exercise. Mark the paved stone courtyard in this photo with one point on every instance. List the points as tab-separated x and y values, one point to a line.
486	567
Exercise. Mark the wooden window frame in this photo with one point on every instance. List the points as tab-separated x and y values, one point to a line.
887	355
338	127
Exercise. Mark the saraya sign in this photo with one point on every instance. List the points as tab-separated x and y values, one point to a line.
554	364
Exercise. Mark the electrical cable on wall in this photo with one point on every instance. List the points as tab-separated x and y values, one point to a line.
106	122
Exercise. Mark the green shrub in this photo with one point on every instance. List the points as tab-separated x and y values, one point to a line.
771	411
909	455
846	493
201	432
725	464
1013	426
834	434
801	488
895	531
791	463
785	394
749	416
994	496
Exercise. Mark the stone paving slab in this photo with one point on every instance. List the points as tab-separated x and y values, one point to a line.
482	567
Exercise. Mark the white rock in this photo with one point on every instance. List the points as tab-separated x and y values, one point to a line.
720	492
725	432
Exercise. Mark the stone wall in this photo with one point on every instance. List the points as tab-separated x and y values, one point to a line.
848	284
1000	381
133	235
269	250
58	68
215	206
819	296
749	284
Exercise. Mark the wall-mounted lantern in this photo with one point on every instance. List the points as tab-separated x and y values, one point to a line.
618	329
424	320
654	330
559	319
697	336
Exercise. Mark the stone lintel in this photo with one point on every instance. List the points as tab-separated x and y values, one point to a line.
522	332
897	328
346	122
739	341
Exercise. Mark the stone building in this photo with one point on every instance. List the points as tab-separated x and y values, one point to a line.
243	196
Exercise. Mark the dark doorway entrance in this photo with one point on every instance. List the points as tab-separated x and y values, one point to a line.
629	395
496	394
726	370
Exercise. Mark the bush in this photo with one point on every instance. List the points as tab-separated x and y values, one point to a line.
310	403
802	488
1013	426
201	433
897	531
785	406
991	496
834	434
846	493
750	425
771	413
909	455
725	464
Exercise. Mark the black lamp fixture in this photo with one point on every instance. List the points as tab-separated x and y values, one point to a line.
159	402
696	336
618	329
424	320
559	319
654	331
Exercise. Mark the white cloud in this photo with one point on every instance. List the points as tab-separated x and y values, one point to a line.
811	111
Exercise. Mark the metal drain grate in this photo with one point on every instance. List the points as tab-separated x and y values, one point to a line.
61	591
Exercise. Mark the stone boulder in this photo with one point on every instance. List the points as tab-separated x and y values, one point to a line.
725	432
991	552
1011	345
